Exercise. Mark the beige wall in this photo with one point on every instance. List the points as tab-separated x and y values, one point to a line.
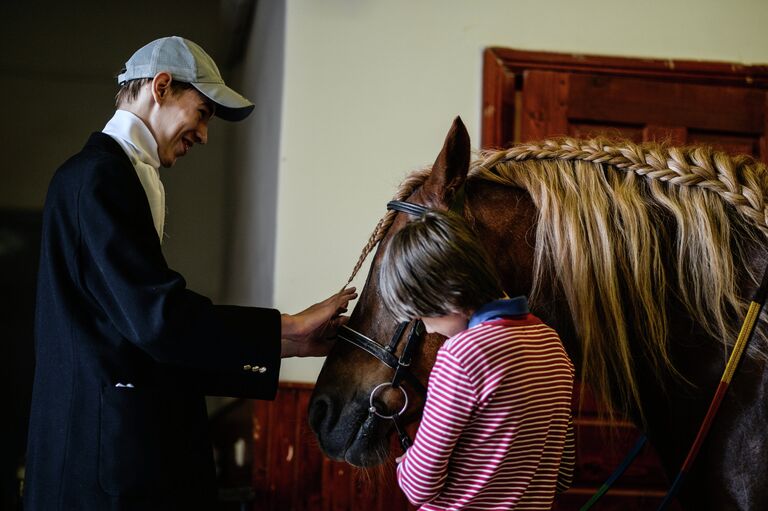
371	88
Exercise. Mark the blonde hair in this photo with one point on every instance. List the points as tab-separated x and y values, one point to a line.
606	214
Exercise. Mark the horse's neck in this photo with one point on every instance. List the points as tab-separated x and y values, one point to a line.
504	219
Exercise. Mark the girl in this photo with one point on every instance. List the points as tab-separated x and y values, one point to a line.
496	431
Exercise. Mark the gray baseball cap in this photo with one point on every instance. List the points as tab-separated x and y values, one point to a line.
187	62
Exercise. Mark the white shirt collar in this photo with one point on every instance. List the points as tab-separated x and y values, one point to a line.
130	132
133	135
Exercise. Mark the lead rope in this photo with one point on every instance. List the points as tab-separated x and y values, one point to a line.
623	466
747	329
745	335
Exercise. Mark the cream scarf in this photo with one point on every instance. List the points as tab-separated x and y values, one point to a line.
137	141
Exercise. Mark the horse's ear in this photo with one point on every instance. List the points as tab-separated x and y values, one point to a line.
450	168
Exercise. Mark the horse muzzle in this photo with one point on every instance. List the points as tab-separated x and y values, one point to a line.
349	433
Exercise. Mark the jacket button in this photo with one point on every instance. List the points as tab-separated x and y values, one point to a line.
255	369
262	369
247	367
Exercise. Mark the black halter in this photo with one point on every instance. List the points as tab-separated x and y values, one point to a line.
386	354
407	207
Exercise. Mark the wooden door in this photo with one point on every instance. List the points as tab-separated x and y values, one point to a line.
531	96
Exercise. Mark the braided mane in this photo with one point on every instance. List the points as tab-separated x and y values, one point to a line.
607	215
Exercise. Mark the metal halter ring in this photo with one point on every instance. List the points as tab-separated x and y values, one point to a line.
373	408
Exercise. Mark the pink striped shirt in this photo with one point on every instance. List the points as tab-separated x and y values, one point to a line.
496	431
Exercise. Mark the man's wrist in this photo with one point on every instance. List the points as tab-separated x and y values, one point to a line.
288	348
287	326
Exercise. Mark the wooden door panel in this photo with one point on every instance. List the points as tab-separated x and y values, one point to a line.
733	144
677	135
719	108
585	106
544	114
580	129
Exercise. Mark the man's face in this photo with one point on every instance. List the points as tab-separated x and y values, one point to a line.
182	122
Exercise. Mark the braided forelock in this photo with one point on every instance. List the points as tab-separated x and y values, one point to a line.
407	187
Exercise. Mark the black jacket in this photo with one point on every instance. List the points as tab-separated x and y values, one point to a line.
125	352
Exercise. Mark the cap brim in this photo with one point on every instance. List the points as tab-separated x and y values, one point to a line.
230	105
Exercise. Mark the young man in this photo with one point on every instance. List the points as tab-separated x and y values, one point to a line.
124	351
496	430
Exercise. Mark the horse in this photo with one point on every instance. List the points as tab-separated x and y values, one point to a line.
642	257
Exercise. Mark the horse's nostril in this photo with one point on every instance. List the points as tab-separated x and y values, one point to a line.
318	413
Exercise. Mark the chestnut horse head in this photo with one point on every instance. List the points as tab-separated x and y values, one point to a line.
642	257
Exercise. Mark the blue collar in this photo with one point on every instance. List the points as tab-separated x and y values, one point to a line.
497	309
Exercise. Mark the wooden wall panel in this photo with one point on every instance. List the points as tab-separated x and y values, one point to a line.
289	472
309	459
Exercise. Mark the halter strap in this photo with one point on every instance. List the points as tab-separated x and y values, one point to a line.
386	355
365	343
457	206
392	346
407	207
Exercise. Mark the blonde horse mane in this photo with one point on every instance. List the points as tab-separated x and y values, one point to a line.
606	213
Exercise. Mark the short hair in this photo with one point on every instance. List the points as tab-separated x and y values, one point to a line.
435	266
129	91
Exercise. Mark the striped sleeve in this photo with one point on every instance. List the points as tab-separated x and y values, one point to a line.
450	403
567	460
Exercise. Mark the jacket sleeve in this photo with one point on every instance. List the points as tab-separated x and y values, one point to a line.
124	274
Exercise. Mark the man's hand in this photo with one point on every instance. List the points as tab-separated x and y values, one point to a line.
306	334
